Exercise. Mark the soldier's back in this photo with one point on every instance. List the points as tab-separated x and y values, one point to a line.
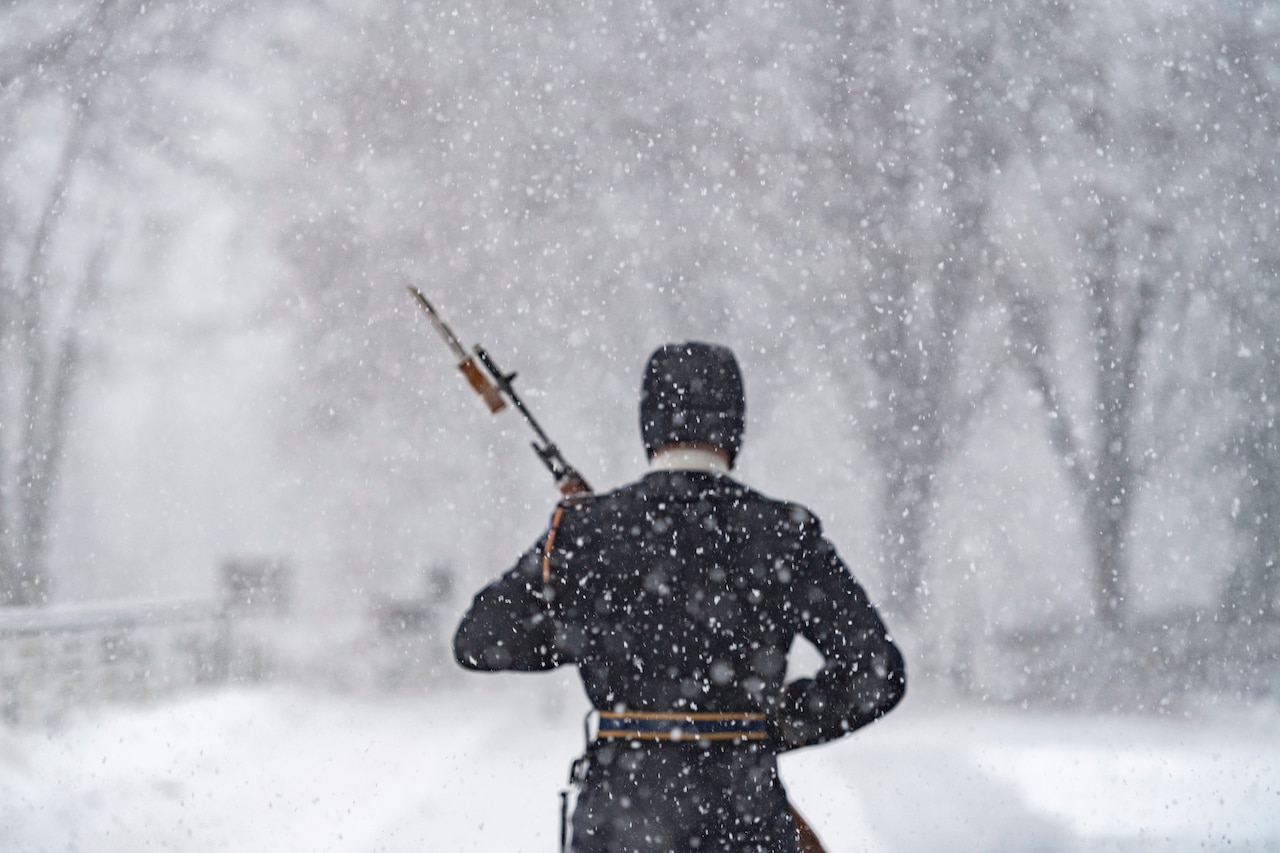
678	592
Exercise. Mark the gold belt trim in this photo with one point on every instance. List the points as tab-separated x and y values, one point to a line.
692	725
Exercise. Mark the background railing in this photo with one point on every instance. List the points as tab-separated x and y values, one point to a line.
55	658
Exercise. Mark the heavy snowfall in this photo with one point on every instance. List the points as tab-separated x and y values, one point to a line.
1004	281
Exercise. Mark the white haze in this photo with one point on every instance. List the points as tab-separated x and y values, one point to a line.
859	198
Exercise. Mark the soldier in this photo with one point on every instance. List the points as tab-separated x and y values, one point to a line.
677	598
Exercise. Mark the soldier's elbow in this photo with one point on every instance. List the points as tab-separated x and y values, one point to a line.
470	651
464	655
895	680
468	659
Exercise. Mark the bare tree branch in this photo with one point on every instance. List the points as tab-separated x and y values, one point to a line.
1032	351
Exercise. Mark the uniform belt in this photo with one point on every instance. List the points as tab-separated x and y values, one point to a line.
649	725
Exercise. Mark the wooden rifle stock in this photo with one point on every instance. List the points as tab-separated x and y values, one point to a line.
481	384
466	361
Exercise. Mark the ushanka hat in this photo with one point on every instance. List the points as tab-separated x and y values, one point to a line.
692	394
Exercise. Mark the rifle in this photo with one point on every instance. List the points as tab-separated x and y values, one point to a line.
494	386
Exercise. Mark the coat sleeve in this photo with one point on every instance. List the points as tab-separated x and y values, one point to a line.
509	624
863	675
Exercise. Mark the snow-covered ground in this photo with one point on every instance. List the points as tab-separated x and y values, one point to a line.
477	763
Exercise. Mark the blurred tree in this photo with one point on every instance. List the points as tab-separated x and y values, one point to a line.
1117	159
40	299
69	87
917	100
1236	103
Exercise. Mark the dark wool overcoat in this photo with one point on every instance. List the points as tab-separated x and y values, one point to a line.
683	593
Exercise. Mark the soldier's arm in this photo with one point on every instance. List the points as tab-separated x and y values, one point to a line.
509	626
863	675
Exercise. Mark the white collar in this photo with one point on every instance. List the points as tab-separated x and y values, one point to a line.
688	459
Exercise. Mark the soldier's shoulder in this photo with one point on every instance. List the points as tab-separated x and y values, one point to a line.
612	500
781	513
654	491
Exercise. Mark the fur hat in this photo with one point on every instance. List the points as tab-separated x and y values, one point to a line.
692	393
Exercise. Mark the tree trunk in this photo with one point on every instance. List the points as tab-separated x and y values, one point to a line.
1111	560
905	521
33	428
